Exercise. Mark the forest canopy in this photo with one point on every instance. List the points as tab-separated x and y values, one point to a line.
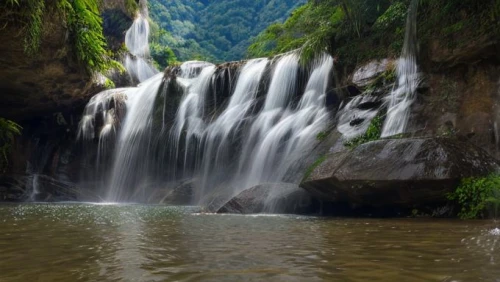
215	30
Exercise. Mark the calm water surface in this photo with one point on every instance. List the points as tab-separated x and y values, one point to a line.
86	242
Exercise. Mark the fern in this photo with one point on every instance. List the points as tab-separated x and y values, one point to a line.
8	131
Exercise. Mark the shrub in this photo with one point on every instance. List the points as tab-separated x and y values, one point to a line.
81	18
477	197
8	130
373	133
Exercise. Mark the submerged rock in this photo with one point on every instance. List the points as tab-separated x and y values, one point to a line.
398	172
270	198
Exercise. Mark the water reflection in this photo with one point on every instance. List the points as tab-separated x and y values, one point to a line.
83	242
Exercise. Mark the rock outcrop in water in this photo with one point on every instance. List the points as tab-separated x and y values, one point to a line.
270	198
398	172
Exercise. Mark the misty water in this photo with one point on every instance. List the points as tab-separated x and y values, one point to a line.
89	242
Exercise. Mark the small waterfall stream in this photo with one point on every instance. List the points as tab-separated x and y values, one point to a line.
137	42
408	80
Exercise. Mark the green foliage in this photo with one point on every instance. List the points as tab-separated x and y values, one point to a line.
131	6
164	56
322	136
35	10
29	15
373	133
109	84
86	33
386	78
8	131
80	17
471	19
312	167
393	17
477	196
323	25
216	30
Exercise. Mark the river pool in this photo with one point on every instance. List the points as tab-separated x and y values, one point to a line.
95	242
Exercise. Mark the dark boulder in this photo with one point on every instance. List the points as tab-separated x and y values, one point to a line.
398	172
270	198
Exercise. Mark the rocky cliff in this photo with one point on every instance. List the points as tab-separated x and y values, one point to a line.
46	91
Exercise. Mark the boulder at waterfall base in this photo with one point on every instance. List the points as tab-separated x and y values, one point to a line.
398	172
270	198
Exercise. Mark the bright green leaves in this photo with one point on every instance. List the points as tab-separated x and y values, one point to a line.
477	197
373	133
8	131
86	33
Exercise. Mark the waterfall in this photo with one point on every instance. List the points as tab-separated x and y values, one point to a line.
137	42
130	156
189	124
268	122
220	135
286	134
404	94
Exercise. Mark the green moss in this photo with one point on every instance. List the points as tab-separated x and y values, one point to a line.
321	136
373	133
132	7
312	167
109	84
478	197
456	23
386	78
35	10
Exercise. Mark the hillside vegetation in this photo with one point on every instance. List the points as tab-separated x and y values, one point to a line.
357	30
214	30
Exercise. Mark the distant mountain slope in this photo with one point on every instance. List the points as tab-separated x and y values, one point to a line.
217	30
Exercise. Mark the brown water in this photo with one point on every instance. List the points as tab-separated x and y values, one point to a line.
85	242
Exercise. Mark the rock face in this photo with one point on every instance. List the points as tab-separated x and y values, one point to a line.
41	83
270	198
51	79
398	172
366	74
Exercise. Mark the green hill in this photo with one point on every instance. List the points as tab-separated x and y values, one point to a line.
215	30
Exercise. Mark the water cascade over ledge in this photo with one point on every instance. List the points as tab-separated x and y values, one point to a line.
408	80
137	42
222	128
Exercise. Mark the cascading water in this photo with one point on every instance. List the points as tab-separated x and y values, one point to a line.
220	135
266	127
189	123
129	166
293	133
283	84
137	42
408	80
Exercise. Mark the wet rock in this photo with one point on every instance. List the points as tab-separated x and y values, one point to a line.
270	198
398	172
355	118
37	188
366	74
